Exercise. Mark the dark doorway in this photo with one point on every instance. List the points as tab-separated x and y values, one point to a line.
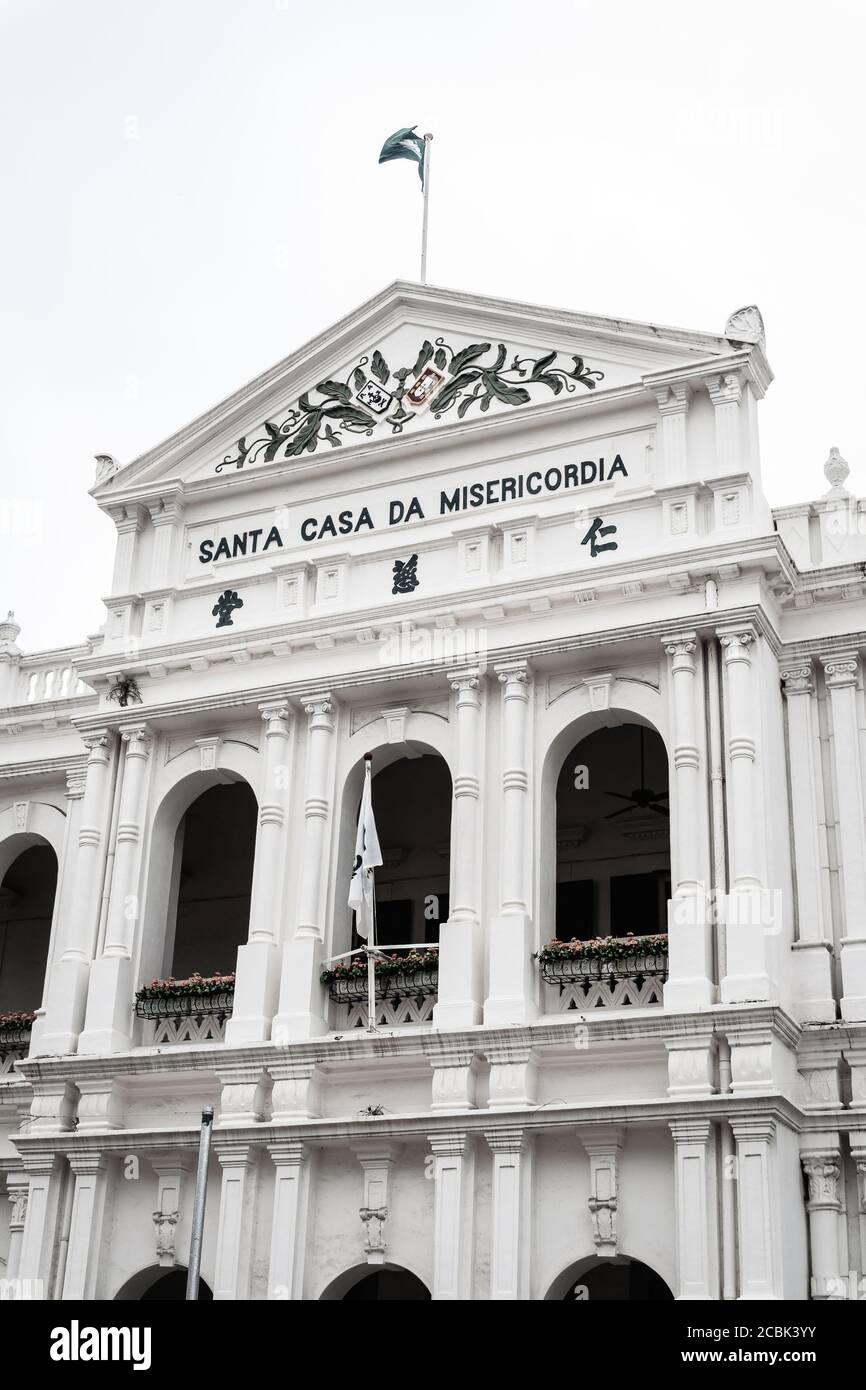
613	835
386	1284
618	1281
412	806
217	840
26	910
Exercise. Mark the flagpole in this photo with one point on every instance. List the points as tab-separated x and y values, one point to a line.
427	140
371	959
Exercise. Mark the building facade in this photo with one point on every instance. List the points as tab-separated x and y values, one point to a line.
614	702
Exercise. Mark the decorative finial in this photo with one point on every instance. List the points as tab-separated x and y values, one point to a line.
106	467
9	631
746	325
836	470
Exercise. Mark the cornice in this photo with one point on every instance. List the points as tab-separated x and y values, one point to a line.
384	311
44	767
551	1032
351	1129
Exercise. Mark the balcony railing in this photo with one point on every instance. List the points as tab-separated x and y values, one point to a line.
15	1030
180	1011
611	972
406	985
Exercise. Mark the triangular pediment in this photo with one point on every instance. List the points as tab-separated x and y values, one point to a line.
413	359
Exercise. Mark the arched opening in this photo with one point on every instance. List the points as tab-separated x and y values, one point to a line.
412	807
27	895
158	1284
390	1282
613	861
211	881
622	1280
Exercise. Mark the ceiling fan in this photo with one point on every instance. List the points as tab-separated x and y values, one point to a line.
643	798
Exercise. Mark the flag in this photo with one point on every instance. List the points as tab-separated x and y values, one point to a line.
368	856
405	144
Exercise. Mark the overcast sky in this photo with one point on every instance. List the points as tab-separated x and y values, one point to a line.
190	191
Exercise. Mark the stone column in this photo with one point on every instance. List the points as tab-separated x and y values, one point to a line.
66	998
813	950
511	985
841	674
459	1003
511	1214
726	393
288	1228
672	399
695	1191
17	1187
165	514
257	976
749	977
85	1230
757	1232
303	1007
128	522
821	1164
454	1203
109	1004
45	1173
690	984
237	1208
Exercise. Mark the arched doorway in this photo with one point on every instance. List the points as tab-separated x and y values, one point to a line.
212	873
412	805
157	1284
613	862
387	1284
619	1280
27	894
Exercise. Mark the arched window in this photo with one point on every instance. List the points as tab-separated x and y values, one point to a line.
209	903
26	909
619	1280
412	807
362	1284
613	863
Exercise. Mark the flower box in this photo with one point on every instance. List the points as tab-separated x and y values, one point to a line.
397	977
195	997
15	1030
607	957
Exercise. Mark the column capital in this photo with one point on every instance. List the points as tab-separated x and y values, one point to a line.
672	397
513	1140
726	388
274	713
136	737
736	641
682	646
798	678
823	1170
467	679
164	511
320	706
289	1153
127	518
756	1127
97	743
450	1143
695	1131
87	1164
841	669
76	782
513	674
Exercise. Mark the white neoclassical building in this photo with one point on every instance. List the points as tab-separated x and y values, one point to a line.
615	709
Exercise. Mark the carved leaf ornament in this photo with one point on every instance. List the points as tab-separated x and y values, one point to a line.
373	396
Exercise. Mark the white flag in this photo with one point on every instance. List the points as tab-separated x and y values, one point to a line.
368	856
